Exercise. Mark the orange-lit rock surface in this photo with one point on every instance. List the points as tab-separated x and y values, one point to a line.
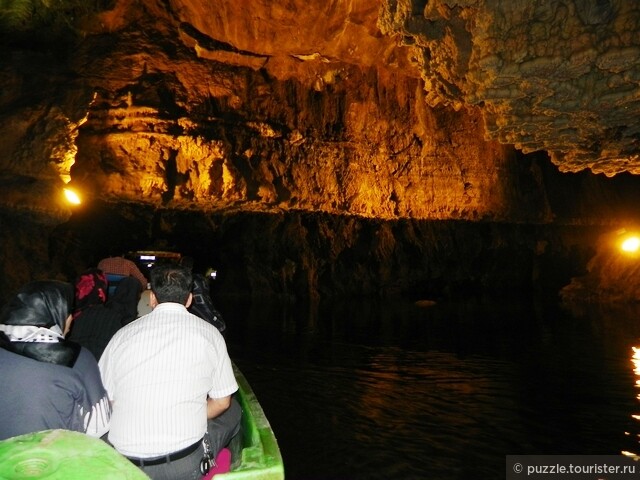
552	75
307	108
380	109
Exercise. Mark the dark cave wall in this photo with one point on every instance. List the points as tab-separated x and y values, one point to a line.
25	253
306	255
311	256
299	255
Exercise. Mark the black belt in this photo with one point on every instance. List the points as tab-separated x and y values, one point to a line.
170	457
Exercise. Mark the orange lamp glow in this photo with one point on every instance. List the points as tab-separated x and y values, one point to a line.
630	244
72	197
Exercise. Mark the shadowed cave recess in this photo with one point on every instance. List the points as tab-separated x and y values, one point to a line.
301	256
412	149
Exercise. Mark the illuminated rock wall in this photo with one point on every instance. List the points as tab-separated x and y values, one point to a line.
387	110
362	146
384	114
556	76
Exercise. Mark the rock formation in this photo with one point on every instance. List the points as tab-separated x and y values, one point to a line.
555	76
335	112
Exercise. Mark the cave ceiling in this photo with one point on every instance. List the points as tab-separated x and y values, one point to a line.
376	107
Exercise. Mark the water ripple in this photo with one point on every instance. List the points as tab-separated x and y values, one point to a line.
343	408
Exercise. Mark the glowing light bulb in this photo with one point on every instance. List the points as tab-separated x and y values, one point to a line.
72	197
631	244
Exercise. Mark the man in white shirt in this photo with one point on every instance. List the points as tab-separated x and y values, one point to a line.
169	379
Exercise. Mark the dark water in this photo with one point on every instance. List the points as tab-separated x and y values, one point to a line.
372	390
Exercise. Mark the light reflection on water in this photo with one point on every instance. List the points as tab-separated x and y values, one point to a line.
635	360
388	390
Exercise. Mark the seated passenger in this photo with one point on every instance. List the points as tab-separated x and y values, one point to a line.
202	304
120	266
96	318
170	380
47	382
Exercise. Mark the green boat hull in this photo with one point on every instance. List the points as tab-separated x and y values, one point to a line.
258	456
63	454
67	455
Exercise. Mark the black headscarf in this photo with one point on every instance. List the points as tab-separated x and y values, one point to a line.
43	303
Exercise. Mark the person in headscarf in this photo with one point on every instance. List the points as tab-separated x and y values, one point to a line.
48	382
96	318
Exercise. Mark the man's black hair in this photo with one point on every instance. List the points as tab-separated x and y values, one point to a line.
171	282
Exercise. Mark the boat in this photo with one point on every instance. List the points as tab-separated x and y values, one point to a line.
147	259
63	454
258	456
68	455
